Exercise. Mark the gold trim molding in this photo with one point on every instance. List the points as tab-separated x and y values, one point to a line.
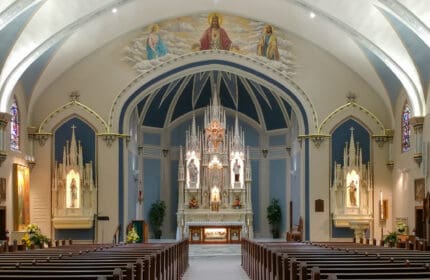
41	137
109	138
381	139
316	138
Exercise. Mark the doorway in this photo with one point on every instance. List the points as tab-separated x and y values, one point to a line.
2	223
419	221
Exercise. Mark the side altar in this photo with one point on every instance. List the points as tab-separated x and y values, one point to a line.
352	191
214	181
74	194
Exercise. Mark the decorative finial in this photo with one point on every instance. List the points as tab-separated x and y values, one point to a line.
74	96
351	97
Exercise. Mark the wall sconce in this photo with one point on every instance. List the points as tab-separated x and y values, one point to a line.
31	162
165	152
288	149
264	151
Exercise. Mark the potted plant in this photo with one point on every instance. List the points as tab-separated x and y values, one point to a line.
156	217
391	239
274	216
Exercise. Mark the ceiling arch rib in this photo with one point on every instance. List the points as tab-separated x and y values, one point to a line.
411	84
15	9
177	95
408	18
11	75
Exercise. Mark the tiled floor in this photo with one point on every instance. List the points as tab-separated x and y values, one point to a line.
215	262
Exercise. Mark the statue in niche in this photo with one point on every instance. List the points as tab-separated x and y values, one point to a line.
193	171
73	194
352	193
236	171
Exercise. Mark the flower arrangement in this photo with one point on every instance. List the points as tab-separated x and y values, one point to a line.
132	235
33	235
193	203
401	227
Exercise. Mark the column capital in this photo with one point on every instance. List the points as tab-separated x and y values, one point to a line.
417	123
4	119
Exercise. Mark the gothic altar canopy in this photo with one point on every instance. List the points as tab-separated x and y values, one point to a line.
352	190
74	195
214	179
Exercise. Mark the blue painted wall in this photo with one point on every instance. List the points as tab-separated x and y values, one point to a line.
277	186
277	140
340	136
151	139
295	187
174	192
83	132
255	165
151	183
132	190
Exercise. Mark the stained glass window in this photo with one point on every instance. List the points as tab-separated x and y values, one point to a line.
406	129
14	126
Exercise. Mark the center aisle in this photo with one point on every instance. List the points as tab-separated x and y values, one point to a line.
215	262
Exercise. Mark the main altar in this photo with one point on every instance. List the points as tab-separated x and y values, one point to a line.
214	201
352	191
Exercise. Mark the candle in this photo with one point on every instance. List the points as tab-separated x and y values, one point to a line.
382	205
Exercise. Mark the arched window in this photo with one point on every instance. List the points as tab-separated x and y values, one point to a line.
406	128
14	127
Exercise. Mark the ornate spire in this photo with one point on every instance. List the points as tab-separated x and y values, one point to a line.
73	148
352	153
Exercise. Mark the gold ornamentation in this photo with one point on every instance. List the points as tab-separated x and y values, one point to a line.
316	138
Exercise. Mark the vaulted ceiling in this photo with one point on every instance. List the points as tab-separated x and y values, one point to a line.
386	42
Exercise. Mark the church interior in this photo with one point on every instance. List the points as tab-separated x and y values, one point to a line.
214	111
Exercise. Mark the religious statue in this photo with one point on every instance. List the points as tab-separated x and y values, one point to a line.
236	171
352	194
268	45
193	171
215	37
73	193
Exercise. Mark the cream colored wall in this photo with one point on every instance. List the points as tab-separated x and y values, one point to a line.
404	173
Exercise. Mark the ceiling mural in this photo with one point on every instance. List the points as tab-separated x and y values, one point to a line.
165	40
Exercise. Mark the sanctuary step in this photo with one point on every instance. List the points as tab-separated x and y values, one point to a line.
214	262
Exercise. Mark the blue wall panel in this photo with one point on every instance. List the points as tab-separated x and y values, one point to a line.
131	191
277	140
174	188
254	193
295	188
151	139
277	186
151	183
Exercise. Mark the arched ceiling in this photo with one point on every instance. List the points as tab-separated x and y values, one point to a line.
173	100
386	42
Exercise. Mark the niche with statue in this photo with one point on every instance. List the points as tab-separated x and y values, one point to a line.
74	193
352	190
